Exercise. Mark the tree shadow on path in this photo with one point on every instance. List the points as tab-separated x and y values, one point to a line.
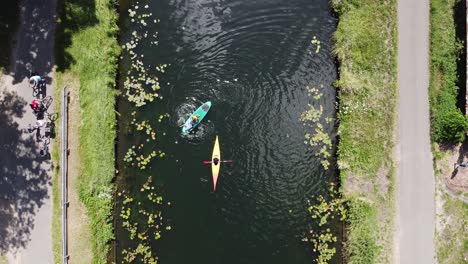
75	15
23	180
35	40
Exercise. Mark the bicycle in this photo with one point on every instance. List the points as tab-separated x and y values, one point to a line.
51	117
48	123
37	88
44	150
44	105
49	127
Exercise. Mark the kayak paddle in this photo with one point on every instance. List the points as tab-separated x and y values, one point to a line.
209	161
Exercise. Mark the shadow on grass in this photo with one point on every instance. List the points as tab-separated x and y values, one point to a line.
462	154
75	15
459	15
23	180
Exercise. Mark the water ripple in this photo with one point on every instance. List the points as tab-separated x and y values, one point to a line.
253	60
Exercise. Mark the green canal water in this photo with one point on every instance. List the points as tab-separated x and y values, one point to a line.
253	59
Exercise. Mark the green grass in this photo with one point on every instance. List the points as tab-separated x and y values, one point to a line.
87	47
452	234
452	239
361	244
447	121
56	178
366	47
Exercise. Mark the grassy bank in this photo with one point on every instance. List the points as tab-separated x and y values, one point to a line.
452	232
366	47
87	48
448	124
447	121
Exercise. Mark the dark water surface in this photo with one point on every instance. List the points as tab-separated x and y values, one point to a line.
253	60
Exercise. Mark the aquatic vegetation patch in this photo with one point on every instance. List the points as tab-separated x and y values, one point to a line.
142	210
140	160
312	119
142	219
141	83
324	212
316	43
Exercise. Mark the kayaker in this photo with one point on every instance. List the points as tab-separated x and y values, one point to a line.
215	161
195	119
35	81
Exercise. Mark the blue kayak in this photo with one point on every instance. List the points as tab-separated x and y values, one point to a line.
201	112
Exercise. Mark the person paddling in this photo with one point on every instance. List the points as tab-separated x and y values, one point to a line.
216	161
195	119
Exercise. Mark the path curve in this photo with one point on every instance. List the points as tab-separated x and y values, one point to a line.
416	212
25	178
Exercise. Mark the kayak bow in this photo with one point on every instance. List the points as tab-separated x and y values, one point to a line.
215	168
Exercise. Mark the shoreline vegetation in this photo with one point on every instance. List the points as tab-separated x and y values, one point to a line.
448	125
366	48
87	54
140	206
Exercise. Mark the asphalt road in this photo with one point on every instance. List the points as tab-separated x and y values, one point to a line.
25	175
416	215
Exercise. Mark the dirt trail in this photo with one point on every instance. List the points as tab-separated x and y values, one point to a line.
79	248
416	215
25	179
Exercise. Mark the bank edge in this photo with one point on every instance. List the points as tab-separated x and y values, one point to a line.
366	48
87	54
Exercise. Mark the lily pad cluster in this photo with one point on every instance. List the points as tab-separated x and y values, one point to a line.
144	222
317	44
141	161
323	212
142	208
312	119
146	126
141	84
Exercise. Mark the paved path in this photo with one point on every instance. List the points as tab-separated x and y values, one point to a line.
25	175
416	178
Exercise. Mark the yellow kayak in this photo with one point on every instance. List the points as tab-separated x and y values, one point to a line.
215	167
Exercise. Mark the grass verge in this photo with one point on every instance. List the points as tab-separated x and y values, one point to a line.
87	47
366	47
447	121
451	239
56	176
